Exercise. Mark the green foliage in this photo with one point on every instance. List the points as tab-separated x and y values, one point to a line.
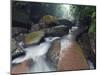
79	11
93	23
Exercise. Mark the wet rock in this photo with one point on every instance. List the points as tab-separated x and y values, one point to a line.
87	44
16	50
17	30
33	37
59	31
18	33
53	52
66	22
45	22
37	27
13	45
92	37
18	53
20	37
49	20
22	67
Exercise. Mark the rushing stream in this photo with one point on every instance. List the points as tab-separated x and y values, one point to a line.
37	53
49	17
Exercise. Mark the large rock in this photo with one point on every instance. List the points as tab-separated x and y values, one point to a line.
18	33
13	45
92	37
22	67
16	50
87	43
66	22
57	31
18	30
46	21
37	27
53	52
33	37
49	20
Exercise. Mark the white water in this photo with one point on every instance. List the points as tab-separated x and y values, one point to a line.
37	53
67	40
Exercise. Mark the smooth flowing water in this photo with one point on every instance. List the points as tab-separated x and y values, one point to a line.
38	54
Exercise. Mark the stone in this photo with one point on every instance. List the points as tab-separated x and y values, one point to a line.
35	27
53	52
18	33
13	45
33	37
55	31
16	50
47	19
22	67
87	43
65	22
92	37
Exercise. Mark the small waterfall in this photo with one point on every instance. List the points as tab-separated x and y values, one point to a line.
68	39
41	65
38	54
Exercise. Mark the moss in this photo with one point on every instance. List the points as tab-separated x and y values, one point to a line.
33	37
93	23
92	28
48	19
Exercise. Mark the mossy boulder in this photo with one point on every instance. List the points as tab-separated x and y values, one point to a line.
48	19
33	37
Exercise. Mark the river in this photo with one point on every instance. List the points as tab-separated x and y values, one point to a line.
38	54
